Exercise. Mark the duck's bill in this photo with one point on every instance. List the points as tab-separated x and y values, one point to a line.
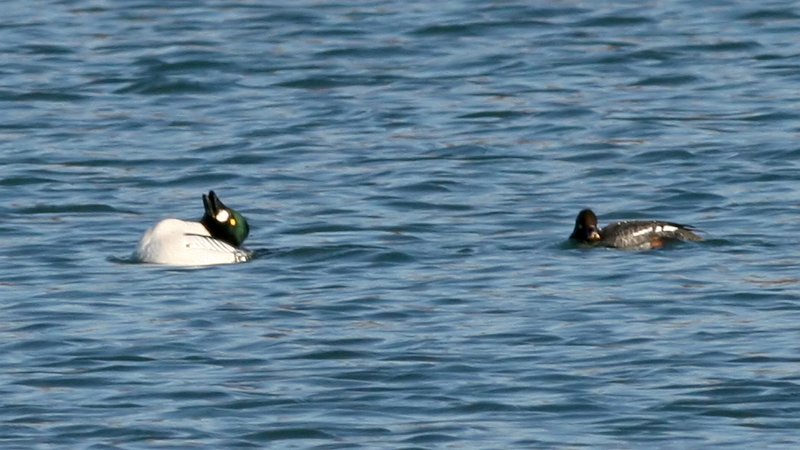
212	204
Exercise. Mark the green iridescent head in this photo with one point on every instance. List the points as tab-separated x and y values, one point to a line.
223	223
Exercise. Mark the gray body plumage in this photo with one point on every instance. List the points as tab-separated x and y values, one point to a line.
641	234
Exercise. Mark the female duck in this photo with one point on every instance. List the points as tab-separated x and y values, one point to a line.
215	239
629	234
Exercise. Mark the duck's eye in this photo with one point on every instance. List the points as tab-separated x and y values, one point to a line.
223	216
232	222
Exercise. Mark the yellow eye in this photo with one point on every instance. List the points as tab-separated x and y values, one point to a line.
232	222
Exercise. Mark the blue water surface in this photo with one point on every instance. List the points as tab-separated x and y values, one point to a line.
410	172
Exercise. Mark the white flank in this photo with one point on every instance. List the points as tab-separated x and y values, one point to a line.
180	243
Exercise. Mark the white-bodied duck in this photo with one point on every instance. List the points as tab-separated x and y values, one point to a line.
215	239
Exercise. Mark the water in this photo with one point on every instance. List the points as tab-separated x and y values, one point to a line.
410	171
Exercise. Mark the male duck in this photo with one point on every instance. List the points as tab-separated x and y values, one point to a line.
216	239
629	234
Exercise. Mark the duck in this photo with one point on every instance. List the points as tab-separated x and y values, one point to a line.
216	239
630	234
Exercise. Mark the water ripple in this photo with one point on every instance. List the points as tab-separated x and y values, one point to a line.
411	173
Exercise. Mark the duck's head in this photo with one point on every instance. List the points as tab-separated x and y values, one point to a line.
586	229
223	223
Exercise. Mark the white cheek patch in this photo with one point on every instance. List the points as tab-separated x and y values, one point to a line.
223	216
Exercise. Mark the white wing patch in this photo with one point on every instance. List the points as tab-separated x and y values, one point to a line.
207	250
207	243
656	229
